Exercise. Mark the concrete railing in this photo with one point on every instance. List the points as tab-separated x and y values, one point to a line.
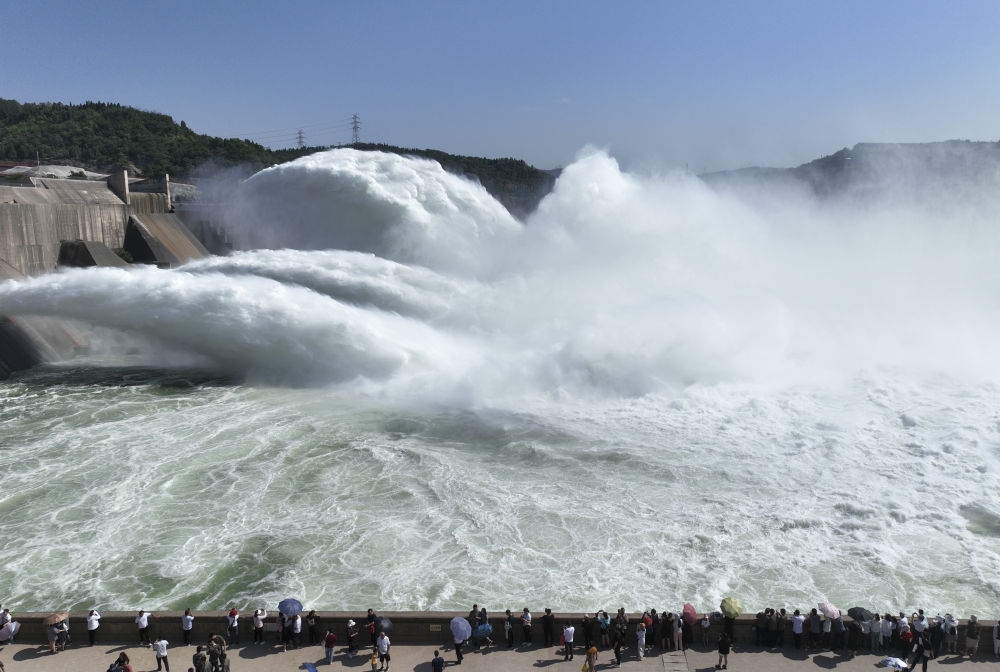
427	627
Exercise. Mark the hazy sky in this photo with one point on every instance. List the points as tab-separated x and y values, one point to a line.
703	84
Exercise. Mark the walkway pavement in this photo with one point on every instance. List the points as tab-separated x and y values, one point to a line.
30	657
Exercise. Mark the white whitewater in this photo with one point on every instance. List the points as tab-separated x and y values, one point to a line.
398	396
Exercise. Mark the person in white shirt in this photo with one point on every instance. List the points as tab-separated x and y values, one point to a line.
258	626
887	627
383	644
187	624
233	626
93	622
798	620
297	630
142	621
160	648
568	631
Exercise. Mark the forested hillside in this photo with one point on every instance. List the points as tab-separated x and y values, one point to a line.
101	136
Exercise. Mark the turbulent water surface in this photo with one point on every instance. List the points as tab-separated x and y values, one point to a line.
398	396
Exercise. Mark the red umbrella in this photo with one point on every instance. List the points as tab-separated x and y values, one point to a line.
689	614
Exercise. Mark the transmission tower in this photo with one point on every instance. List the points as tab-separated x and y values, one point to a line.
301	139
356	128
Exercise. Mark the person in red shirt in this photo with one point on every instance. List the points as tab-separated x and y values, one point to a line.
330	643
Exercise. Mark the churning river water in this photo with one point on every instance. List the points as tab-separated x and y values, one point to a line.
398	396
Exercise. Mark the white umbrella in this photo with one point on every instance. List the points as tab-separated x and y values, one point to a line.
8	631
829	610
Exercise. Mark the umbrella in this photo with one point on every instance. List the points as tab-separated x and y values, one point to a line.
689	614
461	629
860	614
731	607
290	607
383	624
8	631
56	617
829	610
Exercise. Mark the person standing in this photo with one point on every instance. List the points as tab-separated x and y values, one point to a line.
667	631
971	636
233	626
199	660
640	639
383	644
724	646
587	630
142	622
187	624
508	629
798	621
618	648
679	632
437	663
526	625
922	651
815	628
312	625
781	619
93	622
352	638
459	643
604	625
548	627
330	644
568	632
296	631
371	626
160	648
258	625
888	627
591	658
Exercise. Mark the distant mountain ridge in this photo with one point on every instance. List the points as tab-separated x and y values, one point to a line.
920	169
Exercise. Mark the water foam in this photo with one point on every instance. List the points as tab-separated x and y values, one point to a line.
648	393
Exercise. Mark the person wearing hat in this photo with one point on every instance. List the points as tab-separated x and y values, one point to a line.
352	638
258	625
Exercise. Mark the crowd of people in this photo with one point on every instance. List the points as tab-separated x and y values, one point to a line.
910	640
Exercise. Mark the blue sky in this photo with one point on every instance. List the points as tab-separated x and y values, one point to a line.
698	84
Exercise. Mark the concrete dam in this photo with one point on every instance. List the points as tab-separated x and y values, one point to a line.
49	222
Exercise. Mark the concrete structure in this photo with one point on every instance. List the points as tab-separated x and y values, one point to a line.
80	223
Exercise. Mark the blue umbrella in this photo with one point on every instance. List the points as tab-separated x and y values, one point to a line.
290	607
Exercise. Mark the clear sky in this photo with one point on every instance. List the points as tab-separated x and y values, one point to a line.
702	84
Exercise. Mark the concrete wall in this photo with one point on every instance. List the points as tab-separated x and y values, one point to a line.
30	234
